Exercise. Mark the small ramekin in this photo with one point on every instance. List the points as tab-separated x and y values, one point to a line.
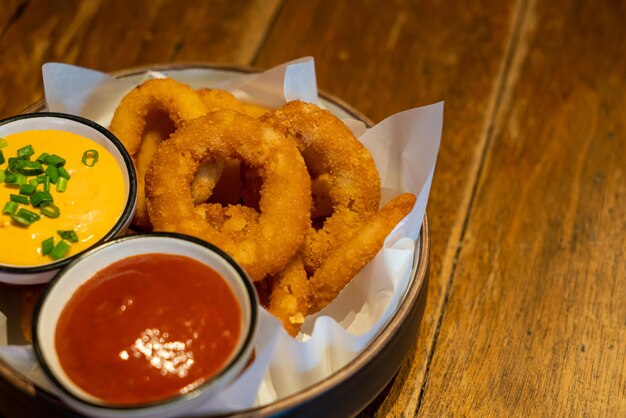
86	265
27	275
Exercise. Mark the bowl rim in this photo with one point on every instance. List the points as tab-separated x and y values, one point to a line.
129	207
248	334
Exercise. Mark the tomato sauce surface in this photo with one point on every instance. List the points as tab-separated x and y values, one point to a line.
147	328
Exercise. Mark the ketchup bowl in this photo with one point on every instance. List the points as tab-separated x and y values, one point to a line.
66	185
145	326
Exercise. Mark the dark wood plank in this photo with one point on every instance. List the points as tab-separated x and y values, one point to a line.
117	34
9	11
535	324
384	57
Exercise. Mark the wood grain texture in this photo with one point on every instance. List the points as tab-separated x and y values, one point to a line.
117	34
387	57
536	320
9	11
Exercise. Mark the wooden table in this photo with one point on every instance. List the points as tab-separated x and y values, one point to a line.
526	311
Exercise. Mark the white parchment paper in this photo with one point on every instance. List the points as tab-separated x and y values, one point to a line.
404	147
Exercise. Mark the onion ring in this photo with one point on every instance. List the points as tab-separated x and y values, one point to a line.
180	102
215	99
289	296
205	180
349	258
354	179
285	194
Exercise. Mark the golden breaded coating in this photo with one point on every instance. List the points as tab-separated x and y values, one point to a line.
173	99
350	257
354	179
285	201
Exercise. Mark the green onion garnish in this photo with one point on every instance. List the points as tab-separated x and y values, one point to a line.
90	157
61	184
60	250
54	160
46	184
25	217
9	208
19	199
15	179
27	189
49	210
53	173
9	177
14	164
69	235
2	176
20	179
34	182
3	143
47	245
29	168
40	197
2	160
24	153
63	173
42	157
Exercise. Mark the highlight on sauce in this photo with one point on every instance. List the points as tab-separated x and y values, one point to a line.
60	193
148	327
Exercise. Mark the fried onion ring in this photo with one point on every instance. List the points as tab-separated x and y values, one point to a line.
289	296
285	194
354	179
179	101
215	99
207	177
349	258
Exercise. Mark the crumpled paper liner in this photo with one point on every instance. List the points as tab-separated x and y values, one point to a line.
404	147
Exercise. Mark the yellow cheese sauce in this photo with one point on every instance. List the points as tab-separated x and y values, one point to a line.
91	204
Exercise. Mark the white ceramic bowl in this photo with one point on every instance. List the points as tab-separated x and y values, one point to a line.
26	275
86	265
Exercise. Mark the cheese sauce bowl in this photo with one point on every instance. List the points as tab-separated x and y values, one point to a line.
145	326
65	181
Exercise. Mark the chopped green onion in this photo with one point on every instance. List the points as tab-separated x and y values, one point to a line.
3	143
46	184
2	160
90	157
69	235
9	177
25	217
9	208
63	173
20	221
24	153
40	178
49	210
60	250
61	184
2	176
40	197
27	189
30	168
47	245
19	199
42	157
16	179
14	164
53	173
20	179
54	160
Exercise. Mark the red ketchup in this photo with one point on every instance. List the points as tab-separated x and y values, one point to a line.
147	328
